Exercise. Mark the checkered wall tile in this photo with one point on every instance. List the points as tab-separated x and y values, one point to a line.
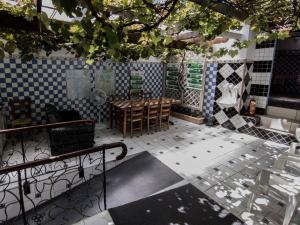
153	75
209	89
44	81
261	73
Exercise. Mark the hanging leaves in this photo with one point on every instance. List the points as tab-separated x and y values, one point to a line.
130	29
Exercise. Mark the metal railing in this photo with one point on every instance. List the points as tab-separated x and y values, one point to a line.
19	132
72	168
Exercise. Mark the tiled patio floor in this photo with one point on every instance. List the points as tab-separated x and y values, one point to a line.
221	163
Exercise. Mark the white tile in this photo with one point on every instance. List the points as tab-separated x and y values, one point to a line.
212	147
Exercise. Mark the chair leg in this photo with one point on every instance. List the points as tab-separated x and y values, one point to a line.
131	128
290	210
168	120
141	127
254	192
148	124
159	123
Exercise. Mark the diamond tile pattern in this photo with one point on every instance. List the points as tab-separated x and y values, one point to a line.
233	73
246	85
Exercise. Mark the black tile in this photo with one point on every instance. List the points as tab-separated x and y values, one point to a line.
234	78
262	66
259	90
230	112
235	66
249	65
247	79
265	44
228	124
216	108
218	93
220	65
219	79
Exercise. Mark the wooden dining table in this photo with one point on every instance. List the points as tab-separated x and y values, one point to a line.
124	106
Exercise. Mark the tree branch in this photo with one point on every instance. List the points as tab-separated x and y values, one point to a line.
95	13
150	27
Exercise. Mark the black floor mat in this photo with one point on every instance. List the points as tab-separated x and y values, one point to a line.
137	178
185	205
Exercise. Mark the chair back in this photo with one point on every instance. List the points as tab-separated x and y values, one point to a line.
165	107
20	108
153	108
133	95
137	110
118	97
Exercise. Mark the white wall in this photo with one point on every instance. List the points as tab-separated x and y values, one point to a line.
242	35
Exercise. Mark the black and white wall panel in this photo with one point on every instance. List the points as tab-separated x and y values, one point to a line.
231	72
44	80
261	74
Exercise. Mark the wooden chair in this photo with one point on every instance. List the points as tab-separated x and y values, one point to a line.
133	95
164	112
115	113
152	113
20	111
136	116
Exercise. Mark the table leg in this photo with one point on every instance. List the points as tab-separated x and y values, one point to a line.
125	123
111	116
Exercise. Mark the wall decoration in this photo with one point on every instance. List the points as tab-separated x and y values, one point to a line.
136	81
194	75
78	84
105	80
172	77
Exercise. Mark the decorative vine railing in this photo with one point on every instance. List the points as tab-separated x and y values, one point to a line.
72	181
18	136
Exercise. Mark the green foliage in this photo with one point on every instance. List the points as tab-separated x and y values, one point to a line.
132	29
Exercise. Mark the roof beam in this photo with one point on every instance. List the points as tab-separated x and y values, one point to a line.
223	8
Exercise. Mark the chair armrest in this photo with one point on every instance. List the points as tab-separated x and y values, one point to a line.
69	115
284	158
78	129
295	148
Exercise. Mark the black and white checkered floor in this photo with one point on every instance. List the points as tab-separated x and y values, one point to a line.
221	163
